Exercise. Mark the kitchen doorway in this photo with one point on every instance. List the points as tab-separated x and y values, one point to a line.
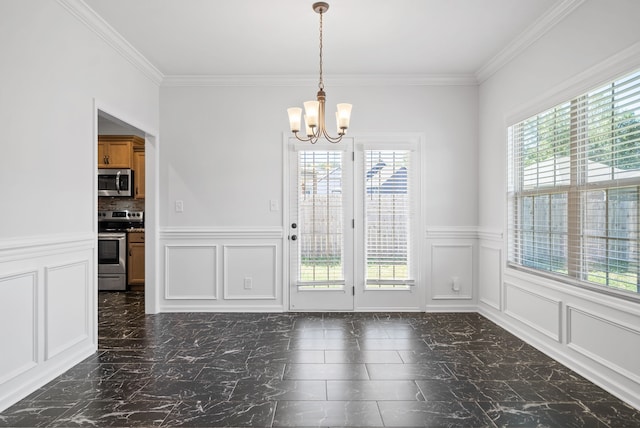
110	123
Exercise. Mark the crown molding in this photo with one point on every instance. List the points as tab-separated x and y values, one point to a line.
534	32
306	80
613	67
106	32
86	15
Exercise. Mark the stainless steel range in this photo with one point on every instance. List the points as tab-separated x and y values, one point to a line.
112	246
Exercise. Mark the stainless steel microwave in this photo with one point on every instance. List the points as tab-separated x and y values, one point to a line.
115	182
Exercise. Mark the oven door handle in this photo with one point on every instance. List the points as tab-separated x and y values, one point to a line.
118	181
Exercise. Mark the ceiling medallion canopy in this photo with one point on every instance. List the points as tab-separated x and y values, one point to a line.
314	117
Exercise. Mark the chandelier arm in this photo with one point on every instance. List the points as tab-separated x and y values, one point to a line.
317	133
332	139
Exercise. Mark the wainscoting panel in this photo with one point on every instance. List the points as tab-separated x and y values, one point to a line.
595	334
250	272
537	311
18	309
48	321
452	271
66	307
490	276
605	340
222	269
191	271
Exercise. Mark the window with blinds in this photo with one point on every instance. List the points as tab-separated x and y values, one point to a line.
387	219
574	184
320	214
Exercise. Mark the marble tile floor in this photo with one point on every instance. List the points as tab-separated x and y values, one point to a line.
330	369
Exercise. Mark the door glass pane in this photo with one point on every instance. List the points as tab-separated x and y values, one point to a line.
387	214
320	219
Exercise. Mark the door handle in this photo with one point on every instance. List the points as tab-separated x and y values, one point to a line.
293	225
294	237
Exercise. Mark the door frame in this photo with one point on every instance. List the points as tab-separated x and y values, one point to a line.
151	203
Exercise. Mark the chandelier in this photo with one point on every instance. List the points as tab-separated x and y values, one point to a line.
314	118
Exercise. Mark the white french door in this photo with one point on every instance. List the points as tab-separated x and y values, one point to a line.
320	226
353	226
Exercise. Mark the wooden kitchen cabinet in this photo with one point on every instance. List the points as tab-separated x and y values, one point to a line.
116	151
135	260
138	168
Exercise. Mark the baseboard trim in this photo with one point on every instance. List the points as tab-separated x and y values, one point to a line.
625	394
40	375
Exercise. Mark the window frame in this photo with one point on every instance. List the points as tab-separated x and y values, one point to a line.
576	189
395	284
398	143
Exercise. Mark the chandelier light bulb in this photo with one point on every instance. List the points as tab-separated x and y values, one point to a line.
343	115
294	118
311	110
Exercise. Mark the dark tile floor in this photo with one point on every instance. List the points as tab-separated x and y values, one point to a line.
332	369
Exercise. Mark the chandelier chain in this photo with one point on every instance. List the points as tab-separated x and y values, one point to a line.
321	83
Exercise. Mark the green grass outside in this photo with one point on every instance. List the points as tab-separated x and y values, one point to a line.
329	272
334	271
617	280
623	281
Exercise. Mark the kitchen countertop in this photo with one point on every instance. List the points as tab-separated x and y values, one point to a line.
135	229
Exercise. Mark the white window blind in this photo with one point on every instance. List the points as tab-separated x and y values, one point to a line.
387	219
320	214
574	179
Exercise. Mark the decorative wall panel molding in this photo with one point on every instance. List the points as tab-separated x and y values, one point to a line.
490	276
539	312
38	246
250	271
452	267
611	343
173	233
47	309
451	232
491	235
244	273
18	324
191	271
66	306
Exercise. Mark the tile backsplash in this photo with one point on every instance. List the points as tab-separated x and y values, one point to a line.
115	204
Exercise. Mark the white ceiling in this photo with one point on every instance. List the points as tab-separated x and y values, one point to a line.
280	37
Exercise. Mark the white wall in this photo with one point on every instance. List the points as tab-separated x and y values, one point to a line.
53	70
592	333
223	157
